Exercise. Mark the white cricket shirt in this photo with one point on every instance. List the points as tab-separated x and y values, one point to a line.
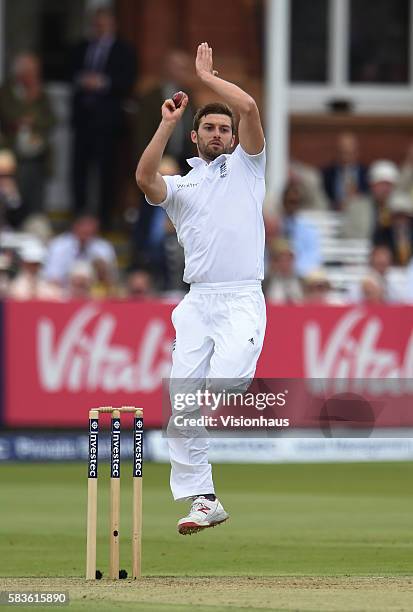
217	212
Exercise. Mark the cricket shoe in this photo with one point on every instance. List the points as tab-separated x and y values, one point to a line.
203	514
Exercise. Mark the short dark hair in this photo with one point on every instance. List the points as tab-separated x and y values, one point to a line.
213	108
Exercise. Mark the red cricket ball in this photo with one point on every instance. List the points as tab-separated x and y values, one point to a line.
177	98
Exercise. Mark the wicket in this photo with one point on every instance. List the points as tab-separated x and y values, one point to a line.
114	520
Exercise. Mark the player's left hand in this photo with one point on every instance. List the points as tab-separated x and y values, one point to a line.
203	63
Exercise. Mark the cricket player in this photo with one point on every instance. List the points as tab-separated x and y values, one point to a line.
217	211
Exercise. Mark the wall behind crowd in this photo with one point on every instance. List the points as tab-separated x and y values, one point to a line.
349	183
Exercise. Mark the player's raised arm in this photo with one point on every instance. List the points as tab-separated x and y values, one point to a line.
149	180
251	135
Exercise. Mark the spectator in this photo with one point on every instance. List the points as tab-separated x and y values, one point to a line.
317	289
155	244
347	177
5	274
104	285
139	285
27	118
174	259
301	234
398	234
409	282
393	286
309	179
150	229
29	284
372	290
364	213
103	70
10	200
177	75
282	285
81	280
38	226
80	244
405	182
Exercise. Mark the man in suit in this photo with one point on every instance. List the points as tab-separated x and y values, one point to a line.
346	177
103	71
177	75
27	117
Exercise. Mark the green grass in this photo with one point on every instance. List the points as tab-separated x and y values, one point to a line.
301	537
318	520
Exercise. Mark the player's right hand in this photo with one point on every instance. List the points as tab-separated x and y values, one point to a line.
172	114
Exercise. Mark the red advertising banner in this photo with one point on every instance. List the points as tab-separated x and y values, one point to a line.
63	359
338	342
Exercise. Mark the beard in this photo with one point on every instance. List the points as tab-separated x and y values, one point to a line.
210	152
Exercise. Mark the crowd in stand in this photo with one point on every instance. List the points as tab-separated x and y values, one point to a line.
373	204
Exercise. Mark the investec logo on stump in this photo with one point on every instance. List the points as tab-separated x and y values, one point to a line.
137	442
115	450
93	445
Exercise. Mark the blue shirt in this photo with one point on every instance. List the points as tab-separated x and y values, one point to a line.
305	241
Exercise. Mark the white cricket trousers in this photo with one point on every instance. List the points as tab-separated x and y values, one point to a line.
220	331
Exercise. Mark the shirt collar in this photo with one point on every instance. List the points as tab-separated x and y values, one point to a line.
195	162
